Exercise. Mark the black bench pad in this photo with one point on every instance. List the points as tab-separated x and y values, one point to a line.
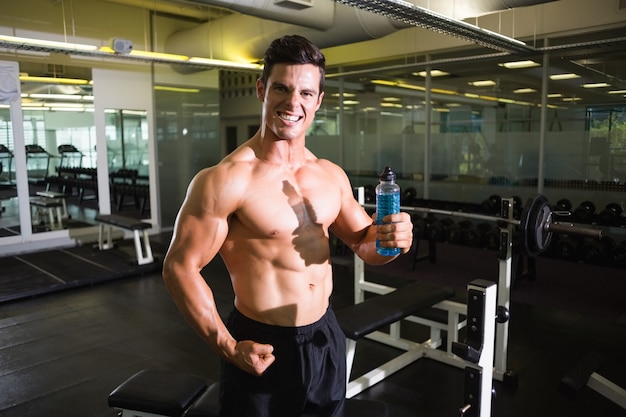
372	314
123	221
159	392
44	202
579	375
208	405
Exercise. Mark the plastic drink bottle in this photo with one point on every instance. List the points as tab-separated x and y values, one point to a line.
387	202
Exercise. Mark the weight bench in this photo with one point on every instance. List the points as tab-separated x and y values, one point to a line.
154	393
375	313
54	195
52	207
108	221
585	373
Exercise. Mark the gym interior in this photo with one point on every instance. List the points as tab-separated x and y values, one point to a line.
505	122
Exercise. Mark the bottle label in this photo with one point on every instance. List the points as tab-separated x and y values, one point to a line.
386	204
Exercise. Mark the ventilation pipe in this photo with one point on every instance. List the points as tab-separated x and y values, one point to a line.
244	37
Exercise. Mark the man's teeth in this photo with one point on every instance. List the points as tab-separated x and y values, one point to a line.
289	118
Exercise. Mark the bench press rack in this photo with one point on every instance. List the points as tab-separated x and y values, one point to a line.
454	320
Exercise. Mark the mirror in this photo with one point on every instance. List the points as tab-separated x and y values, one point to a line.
59	136
9	208
128	160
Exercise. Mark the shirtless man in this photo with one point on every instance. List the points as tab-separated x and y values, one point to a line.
267	209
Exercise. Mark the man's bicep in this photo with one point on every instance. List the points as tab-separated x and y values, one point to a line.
352	223
200	232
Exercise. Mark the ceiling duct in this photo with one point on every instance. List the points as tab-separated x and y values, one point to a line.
329	23
244	37
418	16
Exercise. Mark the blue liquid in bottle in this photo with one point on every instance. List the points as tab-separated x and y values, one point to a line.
387	202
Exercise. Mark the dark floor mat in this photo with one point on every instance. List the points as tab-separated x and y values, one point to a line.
19	280
38	273
4	232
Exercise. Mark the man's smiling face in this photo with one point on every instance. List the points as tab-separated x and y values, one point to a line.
290	99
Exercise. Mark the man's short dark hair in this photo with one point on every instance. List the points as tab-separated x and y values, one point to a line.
293	49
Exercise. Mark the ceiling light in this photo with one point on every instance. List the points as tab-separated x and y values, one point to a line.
400	85
350	102
35	43
54	80
482	83
595	85
565	76
68	109
555	95
519	64
571	99
617	92
82	51
57	96
66	105
387	104
176	89
158	55
228	64
433	73
524	90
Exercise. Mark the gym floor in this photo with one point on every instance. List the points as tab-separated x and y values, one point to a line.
62	353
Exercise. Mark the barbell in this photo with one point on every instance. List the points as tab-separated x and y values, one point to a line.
536	223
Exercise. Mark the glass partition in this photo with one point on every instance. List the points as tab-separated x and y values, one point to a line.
188	140
468	128
9	208
59	135
127	154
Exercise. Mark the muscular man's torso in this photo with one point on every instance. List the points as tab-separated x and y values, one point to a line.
277	250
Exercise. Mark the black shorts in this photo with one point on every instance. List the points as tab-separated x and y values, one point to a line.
308	377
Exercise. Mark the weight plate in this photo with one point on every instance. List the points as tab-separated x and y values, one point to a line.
534	236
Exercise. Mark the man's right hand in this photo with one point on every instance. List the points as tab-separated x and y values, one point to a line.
253	357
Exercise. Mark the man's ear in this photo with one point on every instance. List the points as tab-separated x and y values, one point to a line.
319	100
260	89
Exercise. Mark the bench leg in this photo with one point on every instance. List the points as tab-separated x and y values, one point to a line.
350	351
102	245
143	257
64	213
58	225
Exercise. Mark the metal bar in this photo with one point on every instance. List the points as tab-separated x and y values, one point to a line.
452	213
568	228
564	228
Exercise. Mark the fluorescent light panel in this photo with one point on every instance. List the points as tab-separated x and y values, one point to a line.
519	64
565	76
482	83
55	80
433	73
48	44
16	42
524	90
595	85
